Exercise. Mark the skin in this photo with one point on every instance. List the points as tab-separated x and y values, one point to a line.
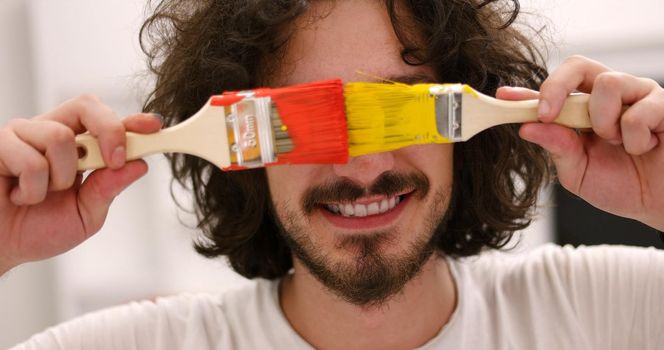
332	48
39	184
617	168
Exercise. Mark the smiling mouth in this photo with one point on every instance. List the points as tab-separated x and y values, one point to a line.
361	208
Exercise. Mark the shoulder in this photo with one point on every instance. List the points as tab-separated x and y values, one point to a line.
565	262
194	321
585	297
565	275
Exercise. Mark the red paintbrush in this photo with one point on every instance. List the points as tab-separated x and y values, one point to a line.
303	123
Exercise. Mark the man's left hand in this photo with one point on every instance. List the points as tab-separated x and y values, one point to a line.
619	167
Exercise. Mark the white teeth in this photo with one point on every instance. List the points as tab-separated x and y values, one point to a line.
372	209
362	210
347	210
333	208
384	206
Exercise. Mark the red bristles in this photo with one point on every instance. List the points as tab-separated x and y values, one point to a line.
315	118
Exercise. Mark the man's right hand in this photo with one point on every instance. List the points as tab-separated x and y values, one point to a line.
45	208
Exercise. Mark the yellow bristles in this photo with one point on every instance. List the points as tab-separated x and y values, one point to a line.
384	117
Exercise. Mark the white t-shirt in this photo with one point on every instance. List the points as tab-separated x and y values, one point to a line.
552	298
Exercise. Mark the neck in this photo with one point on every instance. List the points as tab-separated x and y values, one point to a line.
407	320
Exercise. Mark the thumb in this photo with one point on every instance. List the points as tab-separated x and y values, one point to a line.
566	149
100	188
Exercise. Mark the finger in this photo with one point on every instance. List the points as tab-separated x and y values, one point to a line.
516	93
87	112
143	123
612	90
18	159
100	188
642	122
575	73
566	149
56	142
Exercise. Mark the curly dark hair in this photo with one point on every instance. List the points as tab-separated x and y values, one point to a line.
199	48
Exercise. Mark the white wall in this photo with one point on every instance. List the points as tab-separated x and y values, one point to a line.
24	306
626	35
55	50
143	251
51	50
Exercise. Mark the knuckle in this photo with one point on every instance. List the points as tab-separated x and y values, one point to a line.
88	104
15	123
60	134
650	81
630	122
552	88
609	80
548	84
576	59
88	99
115	127
35	165
114	131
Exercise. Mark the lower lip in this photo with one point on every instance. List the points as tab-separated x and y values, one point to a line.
369	222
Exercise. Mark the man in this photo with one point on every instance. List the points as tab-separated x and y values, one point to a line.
390	280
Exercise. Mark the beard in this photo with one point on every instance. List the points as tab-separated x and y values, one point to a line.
372	277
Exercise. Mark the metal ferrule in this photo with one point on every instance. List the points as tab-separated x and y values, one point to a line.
448	110
250	130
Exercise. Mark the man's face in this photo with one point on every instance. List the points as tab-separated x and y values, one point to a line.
364	228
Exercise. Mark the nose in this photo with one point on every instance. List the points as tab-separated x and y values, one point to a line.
365	169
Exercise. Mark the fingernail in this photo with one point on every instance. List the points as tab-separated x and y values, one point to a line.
543	109
118	157
158	116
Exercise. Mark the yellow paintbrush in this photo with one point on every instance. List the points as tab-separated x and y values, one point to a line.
383	117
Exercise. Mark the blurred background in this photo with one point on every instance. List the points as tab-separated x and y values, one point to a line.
52	50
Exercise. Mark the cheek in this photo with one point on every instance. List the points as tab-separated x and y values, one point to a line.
434	160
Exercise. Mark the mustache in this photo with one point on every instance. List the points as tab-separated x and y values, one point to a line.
387	184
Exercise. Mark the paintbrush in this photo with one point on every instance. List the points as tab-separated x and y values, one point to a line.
383	117
296	124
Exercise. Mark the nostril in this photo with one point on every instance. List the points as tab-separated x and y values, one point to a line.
366	168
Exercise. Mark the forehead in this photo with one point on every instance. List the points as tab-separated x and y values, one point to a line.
336	39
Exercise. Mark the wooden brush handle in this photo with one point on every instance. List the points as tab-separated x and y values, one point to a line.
574	113
481	112
203	135
138	146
